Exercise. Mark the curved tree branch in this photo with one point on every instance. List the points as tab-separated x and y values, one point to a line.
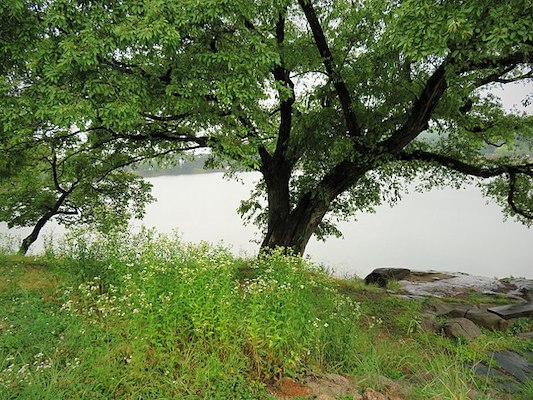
421	111
464	167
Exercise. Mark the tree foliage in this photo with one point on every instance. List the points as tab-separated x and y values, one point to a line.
65	178
338	103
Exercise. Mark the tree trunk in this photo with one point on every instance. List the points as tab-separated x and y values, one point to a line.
32	237
294	231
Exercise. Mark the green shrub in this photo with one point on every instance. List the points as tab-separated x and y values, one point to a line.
194	319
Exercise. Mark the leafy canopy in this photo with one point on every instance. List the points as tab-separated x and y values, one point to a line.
337	103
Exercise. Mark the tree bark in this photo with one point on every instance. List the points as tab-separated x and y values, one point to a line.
41	222
294	230
32	237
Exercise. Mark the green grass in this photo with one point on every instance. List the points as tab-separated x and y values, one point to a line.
142	316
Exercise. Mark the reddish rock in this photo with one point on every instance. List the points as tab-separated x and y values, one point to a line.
288	388
371	394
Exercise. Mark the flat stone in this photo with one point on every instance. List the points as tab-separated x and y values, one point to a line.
382	276
514	364
453	286
461	328
501	380
487	320
513	310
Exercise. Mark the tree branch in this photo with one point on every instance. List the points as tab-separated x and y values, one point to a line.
282	76
511	60
343	94
421	111
511	198
466	168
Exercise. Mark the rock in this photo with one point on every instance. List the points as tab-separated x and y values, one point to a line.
288	388
371	394
452	286
332	385
324	397
528	293
514	364
382	276
439	308
502	381
523	288
525	335
513	310
460	310
486	319
394	390
429	323
461	328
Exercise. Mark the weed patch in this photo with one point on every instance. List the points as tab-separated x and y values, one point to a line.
148	316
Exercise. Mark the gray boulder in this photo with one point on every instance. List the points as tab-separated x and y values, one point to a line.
381	276
487	320
461	328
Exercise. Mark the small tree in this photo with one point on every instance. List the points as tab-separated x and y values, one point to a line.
73	184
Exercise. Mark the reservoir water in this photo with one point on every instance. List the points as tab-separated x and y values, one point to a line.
445	230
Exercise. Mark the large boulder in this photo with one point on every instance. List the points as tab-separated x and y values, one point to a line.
463	328
381	276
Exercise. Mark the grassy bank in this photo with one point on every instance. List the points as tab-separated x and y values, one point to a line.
141	316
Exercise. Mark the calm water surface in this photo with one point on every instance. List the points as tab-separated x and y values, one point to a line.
445	230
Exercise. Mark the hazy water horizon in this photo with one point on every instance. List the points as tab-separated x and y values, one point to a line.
444	230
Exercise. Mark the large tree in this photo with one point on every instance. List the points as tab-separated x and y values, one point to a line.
337	103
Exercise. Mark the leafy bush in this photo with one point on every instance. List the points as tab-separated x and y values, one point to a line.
194	318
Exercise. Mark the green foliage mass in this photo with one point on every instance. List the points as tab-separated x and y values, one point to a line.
70	180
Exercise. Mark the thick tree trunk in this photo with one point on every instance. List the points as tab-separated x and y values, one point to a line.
294	231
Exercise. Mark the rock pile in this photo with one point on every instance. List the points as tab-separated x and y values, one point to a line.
456	320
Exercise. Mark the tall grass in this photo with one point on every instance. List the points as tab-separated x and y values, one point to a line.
147	316
162	318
